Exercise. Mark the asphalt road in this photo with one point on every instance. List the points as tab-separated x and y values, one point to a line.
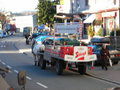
38	79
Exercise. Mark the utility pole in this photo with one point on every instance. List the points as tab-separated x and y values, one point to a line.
119	12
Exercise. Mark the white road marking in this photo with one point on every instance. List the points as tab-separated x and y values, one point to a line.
9	52
25	50
41	85
3	63
29	78
15	71
9	66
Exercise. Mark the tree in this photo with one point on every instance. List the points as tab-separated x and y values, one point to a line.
46	11
100	32
2	19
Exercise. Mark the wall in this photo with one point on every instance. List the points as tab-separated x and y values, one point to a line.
78	5
96	5
71	6
101	4
65	8
24	21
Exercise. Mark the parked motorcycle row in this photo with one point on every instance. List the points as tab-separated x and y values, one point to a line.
4	34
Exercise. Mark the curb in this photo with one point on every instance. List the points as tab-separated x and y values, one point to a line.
107	80
3	85
25	53
19	49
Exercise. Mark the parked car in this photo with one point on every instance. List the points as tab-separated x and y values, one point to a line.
98	39
96	44
34	35
3	34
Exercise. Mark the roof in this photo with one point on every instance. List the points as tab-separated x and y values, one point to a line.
91	11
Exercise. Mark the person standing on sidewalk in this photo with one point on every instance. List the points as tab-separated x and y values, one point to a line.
104	57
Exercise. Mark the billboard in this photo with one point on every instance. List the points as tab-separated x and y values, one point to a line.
66	7
60	8
61	2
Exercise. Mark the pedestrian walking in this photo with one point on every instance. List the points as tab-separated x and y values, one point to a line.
104	57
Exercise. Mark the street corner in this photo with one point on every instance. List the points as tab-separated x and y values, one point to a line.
23	48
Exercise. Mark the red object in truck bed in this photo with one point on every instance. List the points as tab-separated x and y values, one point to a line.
66	50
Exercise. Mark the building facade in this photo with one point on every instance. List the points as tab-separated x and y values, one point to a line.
106	11
25	21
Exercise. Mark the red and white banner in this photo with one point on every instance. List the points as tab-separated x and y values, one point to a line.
80	55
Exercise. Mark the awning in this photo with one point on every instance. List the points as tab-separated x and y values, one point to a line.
92	11
90	19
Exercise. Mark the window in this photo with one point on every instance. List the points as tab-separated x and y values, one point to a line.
114	1
86	2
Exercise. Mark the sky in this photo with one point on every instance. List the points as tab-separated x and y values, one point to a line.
18	5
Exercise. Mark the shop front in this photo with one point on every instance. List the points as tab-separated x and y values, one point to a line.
109	22
110	19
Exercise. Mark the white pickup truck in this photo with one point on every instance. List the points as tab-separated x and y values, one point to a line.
66	57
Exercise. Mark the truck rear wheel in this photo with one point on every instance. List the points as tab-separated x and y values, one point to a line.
115	62
82	68
42	62
59	67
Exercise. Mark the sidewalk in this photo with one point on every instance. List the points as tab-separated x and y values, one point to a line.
3	84
112	74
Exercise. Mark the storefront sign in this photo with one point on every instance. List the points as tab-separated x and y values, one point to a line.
67	27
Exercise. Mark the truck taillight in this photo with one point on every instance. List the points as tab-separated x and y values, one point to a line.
117	55
90	50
